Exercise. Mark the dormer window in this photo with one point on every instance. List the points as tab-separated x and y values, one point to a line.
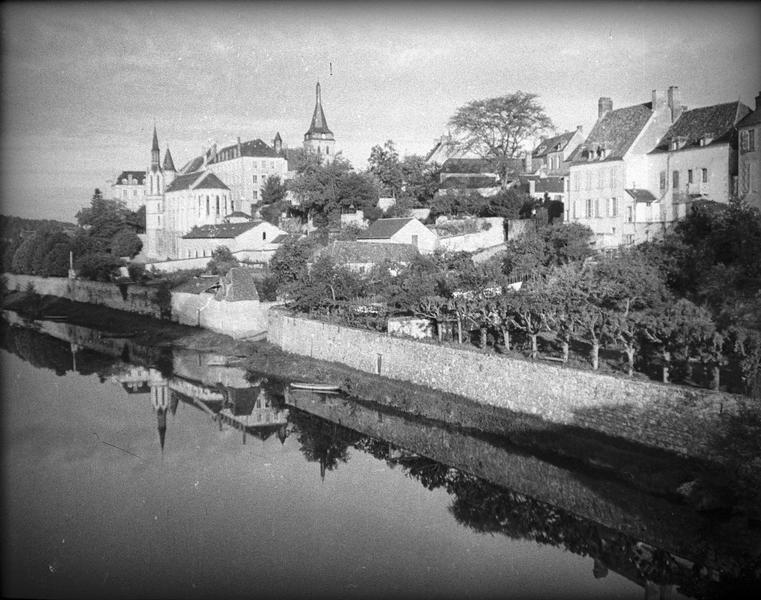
706	139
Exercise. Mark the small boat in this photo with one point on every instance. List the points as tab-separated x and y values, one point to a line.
315	387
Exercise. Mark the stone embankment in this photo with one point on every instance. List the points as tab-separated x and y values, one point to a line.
688	421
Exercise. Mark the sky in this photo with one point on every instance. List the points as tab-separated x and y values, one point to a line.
83	84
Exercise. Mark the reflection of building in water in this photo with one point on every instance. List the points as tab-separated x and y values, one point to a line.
250	410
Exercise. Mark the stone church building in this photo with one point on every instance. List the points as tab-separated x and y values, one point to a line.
214	185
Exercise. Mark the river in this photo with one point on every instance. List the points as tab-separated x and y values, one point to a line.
158	473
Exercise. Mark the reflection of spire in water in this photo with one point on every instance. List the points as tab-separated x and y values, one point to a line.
161	420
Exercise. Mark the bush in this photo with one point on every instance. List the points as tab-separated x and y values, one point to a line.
222	260
267	289
126	243
136	272
99	266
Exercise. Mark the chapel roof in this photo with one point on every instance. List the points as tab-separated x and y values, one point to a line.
220	230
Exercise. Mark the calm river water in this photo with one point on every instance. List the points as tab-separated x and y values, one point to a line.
170	475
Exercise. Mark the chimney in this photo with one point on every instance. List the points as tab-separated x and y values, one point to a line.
604	106
660	101
675	103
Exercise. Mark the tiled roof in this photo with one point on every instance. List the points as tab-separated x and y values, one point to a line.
460	182
717	121
139	176
553	144
221	230
211	182
199	180
552	185
383	229
753	118
640	195
192	165
615	132
367	252
256	148
467	165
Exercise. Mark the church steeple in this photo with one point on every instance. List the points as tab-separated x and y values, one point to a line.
319	123
319	139
168	162
155	152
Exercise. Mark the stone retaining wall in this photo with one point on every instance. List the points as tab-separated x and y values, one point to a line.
136	298
680	419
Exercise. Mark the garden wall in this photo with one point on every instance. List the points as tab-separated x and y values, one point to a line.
680	419
138	299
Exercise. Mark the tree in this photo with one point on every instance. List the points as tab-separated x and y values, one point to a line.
99	266
103	219
497	128
385	166
420	181
273	190
126	243
289	262
222	260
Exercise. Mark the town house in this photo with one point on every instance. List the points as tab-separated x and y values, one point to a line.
749	160
609	171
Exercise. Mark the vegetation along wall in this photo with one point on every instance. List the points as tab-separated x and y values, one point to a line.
692	422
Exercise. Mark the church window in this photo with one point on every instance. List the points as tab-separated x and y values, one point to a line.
217	206
232	205
264	235
207	206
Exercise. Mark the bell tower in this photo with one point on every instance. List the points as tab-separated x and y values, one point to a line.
319	139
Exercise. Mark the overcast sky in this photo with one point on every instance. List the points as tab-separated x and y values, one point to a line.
83	84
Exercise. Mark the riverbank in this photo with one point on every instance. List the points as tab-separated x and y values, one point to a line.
648	468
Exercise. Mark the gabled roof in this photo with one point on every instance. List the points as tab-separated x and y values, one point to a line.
256	148
467	165
220	231
469	182
383	229
640	195
717	121
553	144
138	176
753	118
319	123
192	165
198	180
615	132
367	252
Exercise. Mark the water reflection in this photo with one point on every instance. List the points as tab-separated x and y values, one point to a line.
657	543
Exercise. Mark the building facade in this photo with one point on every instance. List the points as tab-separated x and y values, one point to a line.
129	187
609	172
749	158
210	187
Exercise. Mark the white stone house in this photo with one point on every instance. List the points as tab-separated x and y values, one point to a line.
695	160
401	231
129	187
239	238
614	159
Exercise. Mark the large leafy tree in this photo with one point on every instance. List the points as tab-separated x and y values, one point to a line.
384	164
497	129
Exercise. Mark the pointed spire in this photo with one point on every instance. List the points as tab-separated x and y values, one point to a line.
155	152
168	162
319	123
161	419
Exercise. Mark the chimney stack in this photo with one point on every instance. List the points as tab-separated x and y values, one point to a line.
604	106
660	100
675	103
